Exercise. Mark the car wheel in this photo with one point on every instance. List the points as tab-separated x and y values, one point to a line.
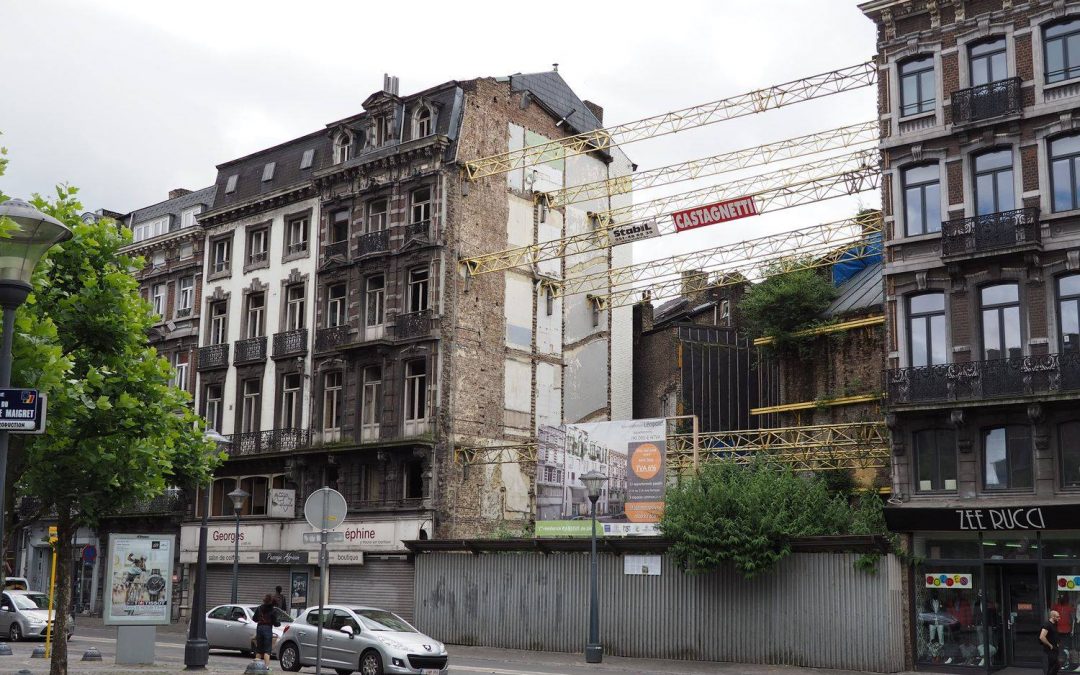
15	632
289	658
371	663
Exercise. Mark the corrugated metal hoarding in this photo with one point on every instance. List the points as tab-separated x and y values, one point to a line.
814	610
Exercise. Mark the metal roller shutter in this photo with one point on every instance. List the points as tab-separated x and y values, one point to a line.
253	582
386	584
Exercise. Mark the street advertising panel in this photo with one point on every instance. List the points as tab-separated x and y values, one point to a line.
631	453
710	214
139	574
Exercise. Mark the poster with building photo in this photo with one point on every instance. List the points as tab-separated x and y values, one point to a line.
140	572
631	453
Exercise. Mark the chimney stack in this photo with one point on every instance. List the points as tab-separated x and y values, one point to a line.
390	84
178	192
596	110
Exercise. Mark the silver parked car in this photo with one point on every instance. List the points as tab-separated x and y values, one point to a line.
233	627
25	614
370	640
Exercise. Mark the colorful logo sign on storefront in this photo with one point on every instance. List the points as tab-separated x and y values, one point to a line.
1068	583
947	580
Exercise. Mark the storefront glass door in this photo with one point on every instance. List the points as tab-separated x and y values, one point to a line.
1023	618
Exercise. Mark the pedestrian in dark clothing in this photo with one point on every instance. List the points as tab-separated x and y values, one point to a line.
265	620
1048	636
279	599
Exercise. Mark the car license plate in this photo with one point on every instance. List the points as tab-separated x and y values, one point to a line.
430	671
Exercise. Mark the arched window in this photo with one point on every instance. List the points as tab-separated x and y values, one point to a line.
918	87
1065	172
342	147
423	122
1061	49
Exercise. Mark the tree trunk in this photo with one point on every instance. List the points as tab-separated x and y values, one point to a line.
65	532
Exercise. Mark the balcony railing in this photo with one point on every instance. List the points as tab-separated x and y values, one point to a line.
413	324
374	242
987	101
328	338
258	258
338	248
183	312
978	380
268	442
290	343
1006	230
219	267
420	231
251	350
296	247
213	356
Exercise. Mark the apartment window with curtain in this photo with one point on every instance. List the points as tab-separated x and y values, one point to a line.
1064	176
418	289
221	254
926	329
994	182
1068	289
922	200
420	209
1000	305
249	407
339	226
370	403
255	313
212	409
335	305
1007	459
296	233
332	383
987	61
935	459
290	401
218	323
918	88
415	390
374	300
295	304
378	214
180	370
158	299
185	296
1061	47
258	244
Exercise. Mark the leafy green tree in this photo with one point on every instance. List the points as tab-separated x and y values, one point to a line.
786	302
748	515
118	432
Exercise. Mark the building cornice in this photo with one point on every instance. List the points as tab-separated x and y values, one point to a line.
258	204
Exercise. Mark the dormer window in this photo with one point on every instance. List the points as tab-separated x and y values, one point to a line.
230	185
342	147
307	159
423	122
382	131
268	171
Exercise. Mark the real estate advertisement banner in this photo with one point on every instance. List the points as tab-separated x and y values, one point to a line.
140	572
629	452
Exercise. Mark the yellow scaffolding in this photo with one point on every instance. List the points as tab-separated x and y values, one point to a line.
864	322
759	100
825	402
735	160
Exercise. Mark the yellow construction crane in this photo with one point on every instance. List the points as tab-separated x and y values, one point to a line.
853	174
860	445
759	100
833	139
807	241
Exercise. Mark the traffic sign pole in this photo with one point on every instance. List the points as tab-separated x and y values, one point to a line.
324	509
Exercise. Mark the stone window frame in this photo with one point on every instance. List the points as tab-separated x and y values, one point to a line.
433	118
223	297
290	219
282	370
229	239
266	227
255	287
294	280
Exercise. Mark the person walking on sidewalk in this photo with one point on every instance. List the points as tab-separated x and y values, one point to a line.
279	599
1048	636
265	620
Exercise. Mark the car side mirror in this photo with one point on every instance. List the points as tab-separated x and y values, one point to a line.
6	608
243	619
348	630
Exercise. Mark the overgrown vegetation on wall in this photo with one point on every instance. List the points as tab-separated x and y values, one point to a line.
747	515
786	303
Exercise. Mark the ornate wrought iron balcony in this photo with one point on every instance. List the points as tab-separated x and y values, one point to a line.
213	356
374	242
328	338
290	343
251	350
183	312
338	248
413	324
420	231
978	380
268	442
987	101
991	233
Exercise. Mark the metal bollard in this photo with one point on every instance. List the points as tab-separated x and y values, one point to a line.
5	650
256	666
91	654
39	653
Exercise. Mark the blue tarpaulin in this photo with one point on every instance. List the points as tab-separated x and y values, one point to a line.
856	259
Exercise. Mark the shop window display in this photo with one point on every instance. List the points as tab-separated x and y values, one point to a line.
953	546
1063	597
951	629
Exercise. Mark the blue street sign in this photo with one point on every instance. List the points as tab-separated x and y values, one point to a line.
20	410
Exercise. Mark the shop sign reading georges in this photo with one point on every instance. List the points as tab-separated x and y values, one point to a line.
987	519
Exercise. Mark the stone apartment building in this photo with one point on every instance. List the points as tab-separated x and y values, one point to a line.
342	345
979	137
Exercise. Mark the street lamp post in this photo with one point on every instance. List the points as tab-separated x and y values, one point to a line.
21	248
238	498
594	651
197	647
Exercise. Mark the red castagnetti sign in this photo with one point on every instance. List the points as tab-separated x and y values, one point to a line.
710	214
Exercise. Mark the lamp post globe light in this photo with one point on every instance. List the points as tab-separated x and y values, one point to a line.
594	651
238	498
21	248
197	647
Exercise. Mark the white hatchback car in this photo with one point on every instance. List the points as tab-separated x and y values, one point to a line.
233	627
370	640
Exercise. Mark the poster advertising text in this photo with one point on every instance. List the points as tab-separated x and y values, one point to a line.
139	574
629	452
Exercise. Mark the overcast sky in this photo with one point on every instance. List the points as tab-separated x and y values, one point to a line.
129	99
